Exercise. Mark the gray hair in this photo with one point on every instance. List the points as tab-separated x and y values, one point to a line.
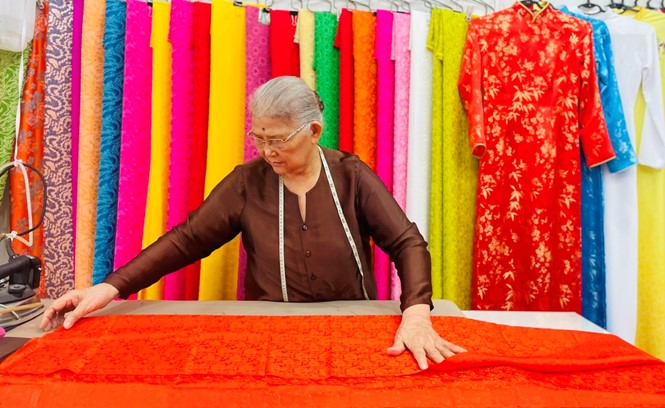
287	97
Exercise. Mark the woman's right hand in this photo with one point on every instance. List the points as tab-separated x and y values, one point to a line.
78	302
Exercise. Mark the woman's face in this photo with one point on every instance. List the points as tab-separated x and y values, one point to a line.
286	145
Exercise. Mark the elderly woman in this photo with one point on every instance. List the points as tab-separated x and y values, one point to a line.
306	215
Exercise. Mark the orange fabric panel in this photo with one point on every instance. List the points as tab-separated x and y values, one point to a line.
365	86
30	148
322	361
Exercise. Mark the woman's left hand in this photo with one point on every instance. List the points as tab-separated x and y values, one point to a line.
416	334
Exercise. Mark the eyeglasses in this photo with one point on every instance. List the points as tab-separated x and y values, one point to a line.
274	143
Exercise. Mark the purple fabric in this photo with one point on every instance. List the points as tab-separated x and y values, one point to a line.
384	134
135	143
181	36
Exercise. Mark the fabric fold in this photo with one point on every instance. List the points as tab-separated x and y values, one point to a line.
200	122
402	57
58	256
181	143
92	63
29	146
156	202
257	48
284	51
135	135
384	131
187	360
226	131
77	34
109	158
267	340
326	65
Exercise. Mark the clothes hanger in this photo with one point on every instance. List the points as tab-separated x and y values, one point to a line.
622	7
307	6
394	7
529	3
346	5
485	5
588	6
357	3
614	5
457	7
431	4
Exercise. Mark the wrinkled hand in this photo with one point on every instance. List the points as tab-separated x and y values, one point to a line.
79	302
416	334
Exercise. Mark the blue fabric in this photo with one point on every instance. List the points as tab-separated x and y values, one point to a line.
593	239
109	158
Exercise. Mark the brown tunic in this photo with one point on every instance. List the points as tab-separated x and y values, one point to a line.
319	261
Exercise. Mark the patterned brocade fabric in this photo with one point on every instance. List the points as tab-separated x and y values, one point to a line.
323	361
529	87
58	234
30	145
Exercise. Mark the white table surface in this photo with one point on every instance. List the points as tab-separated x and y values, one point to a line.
553	320
545	320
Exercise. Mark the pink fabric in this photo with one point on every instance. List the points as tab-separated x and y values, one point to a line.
77	34
402	57
135	142
181	36
257	65
384	134
257	61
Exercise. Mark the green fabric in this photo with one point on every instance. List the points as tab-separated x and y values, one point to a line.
10	63
460	168
436	180
326	65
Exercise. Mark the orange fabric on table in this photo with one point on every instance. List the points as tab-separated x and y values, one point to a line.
323	361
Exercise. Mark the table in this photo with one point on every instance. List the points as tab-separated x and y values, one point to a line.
15	338
550	320
265	359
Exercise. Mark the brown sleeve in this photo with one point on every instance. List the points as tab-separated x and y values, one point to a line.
210	226
396	236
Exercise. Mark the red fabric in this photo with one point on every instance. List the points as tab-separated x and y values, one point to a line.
201	108
344	42
529	112
30	148
322	361
284	53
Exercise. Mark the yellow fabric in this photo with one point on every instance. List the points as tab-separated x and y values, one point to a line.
650	334
226	128
436	180
92	58
460	168
305	37
156	206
